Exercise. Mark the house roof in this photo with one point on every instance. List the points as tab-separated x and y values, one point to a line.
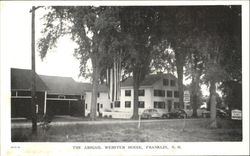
84	86
21	79
102	88
61	85
149	79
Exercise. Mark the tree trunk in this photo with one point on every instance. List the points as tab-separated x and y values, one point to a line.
194	97
196	74
136	88
195	85
213	123
179	66
95	77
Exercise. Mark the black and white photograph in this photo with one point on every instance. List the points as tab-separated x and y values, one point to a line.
124	78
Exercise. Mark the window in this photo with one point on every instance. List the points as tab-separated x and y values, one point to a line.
160	93
111	105
165	82
140	104
159	104
72	97
169	105
176	94
117	104
101	105
172	82
169	93
176	105
86	105
61	97
98	94
127	104
127	92
141	92
52	96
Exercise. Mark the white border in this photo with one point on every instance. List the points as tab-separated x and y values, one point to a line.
194	148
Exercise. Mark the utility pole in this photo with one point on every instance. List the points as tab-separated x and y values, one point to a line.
33	81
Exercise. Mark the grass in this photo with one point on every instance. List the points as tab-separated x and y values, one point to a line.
167	131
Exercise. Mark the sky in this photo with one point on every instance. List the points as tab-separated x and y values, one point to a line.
17	45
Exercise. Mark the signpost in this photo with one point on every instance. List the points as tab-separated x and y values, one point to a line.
186	96
236	114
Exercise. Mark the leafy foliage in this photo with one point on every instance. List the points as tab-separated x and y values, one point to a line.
96	30
232	93
204	39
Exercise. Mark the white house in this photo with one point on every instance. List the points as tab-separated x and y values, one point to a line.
103	101
156	91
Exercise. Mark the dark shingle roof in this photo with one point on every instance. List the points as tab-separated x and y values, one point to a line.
149	79
61	85
21	79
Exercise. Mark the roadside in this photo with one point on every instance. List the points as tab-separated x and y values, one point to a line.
70	120
108	130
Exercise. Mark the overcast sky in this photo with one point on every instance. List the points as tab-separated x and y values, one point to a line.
17	44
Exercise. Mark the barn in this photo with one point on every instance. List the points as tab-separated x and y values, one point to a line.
63	96
21	93
54	95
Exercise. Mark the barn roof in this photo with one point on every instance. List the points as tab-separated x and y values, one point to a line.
149	79
21	79
61	85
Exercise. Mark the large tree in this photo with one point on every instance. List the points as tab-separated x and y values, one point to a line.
175	28
96	30
220	36
195	59
138	23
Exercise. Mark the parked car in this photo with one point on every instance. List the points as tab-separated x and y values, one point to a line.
219	113
199	112
153	113
177	114
206	114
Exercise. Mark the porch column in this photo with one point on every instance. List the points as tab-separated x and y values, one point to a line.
45	102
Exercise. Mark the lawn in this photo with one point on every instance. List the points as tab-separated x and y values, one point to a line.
156	131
